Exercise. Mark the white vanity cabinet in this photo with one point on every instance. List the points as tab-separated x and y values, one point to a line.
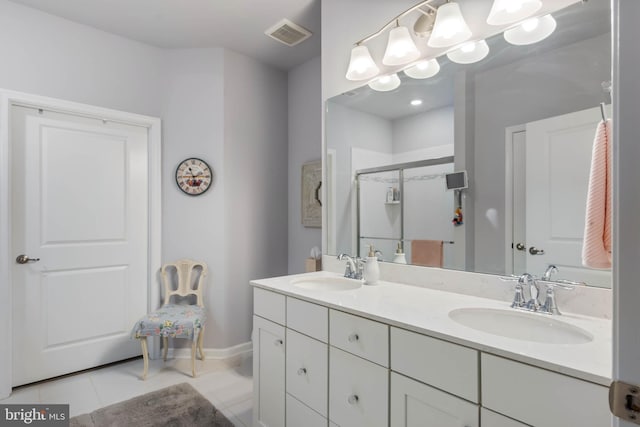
358	373
318	366
539	397
268	373
432	380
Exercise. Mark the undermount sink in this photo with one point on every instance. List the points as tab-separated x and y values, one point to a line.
327	283
533	327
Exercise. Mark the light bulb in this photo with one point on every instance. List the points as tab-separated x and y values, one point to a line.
400	48
505	12
361	65
450	27
531	31
385	83
469	52
423	69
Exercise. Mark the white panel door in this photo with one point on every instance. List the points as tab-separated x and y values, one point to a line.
80	205
558	163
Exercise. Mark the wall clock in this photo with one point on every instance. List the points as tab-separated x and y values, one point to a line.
194	176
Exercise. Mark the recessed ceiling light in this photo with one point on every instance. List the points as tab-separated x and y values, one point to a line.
416	102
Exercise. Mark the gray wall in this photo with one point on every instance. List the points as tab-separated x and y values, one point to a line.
215	104
46	55
195	79
346	128
419	131
305	145
255	201
526	93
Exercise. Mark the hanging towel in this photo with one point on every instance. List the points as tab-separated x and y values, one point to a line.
427	253
596	247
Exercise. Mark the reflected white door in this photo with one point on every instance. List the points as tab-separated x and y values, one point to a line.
79	204
558	161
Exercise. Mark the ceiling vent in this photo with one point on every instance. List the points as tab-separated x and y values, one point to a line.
288	33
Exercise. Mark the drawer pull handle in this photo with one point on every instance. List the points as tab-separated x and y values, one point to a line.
353	399
278	342
302	371
353	337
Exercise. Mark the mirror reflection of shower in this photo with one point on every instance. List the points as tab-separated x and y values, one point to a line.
407	206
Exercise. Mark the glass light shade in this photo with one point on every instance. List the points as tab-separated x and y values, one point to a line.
361	65
450	28
469	52
531	31
400	48
423	69
385	83
505	12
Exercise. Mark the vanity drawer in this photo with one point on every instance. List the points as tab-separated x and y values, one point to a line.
413	402
307	371
358	391
298	414
510	387
491	419
449	367
307	318
362	337
269	305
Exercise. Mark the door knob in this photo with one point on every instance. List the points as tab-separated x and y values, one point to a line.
534	251
520	247
23	259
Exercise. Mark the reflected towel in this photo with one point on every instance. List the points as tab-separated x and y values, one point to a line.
596	249
427	253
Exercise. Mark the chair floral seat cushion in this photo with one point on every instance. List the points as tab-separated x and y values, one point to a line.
171	320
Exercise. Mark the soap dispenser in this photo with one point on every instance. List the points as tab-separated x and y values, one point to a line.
371	268
399	257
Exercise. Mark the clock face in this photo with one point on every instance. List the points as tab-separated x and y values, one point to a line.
194	176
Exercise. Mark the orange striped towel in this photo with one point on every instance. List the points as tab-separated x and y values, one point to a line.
596	247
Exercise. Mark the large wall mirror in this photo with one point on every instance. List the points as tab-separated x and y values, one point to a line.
521	123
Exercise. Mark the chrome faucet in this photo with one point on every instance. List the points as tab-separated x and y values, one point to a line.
354	267
534	292
548	272
550	306
519	300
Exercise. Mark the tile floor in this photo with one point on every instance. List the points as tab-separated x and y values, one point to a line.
228	388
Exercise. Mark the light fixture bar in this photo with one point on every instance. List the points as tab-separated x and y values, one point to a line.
393	21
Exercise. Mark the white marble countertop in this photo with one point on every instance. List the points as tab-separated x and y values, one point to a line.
426	311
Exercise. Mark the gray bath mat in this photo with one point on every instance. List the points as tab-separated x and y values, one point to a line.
179	405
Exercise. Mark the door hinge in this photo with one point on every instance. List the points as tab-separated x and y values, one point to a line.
624	401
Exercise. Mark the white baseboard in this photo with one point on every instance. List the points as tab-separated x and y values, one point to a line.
240	350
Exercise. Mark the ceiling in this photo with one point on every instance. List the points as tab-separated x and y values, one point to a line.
238	25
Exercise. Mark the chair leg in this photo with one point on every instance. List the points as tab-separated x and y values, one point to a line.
165	347
145	357
200	341
193	359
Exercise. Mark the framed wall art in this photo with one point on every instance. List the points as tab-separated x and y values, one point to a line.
311	185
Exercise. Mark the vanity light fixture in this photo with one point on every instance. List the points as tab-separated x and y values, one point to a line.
531	30
424	24
416	102
400	47
361	64
469	52
505	12
450	27
385	83
423	69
